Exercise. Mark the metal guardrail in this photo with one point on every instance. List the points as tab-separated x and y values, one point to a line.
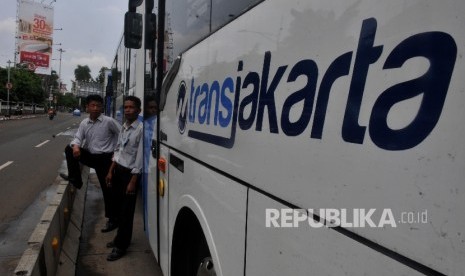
24	108
54	244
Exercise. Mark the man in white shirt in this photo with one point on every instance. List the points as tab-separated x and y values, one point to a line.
124	175
93	146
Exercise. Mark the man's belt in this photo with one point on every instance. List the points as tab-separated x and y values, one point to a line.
122	168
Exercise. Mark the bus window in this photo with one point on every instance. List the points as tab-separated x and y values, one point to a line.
189	22
224	11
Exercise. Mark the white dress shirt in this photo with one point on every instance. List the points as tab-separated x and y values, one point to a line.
129	149
99	136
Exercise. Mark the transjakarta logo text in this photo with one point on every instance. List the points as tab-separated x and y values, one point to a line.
218	103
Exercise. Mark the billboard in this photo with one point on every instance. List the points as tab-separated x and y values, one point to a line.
35	30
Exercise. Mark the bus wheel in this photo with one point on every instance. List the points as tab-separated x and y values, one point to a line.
206	268
190	253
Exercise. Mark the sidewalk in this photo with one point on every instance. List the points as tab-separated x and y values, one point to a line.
139	260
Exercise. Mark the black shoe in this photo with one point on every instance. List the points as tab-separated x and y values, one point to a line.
64	176
110	244
116	254
73	181
110	226
76	184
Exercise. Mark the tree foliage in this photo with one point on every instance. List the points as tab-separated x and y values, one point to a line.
27	86
50	81
82	73
101	75
67	100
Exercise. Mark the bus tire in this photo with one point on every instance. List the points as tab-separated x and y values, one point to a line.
190	252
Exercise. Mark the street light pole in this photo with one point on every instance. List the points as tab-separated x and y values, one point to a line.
50	97
59	73
8	88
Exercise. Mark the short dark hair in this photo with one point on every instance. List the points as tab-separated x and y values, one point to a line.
135	100
150	98
94	98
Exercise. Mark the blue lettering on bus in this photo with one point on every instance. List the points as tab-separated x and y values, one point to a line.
218	103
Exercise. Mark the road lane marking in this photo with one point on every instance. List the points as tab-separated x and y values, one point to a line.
43	143
61	133
5	165
68	128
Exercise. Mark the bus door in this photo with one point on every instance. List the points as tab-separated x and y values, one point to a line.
163	193
151	197
157	203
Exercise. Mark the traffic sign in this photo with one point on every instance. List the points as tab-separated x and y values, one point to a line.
9	85
31	66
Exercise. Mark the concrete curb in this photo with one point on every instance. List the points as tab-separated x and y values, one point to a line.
17	117
70	249
53	245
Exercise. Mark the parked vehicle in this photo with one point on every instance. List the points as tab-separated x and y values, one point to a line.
302	137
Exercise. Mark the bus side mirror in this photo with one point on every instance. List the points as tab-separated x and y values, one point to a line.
133	4
132	30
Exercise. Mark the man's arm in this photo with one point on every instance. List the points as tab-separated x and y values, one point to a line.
131	188
77	141
139	155
79	135
109	176
115	126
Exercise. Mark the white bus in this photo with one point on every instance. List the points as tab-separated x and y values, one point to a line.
302	137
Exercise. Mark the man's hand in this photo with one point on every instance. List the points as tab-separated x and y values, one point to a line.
131	188
76	151
108	178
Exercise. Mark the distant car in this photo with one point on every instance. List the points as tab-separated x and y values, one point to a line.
77	112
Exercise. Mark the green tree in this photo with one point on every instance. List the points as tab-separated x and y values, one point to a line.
50	81
67	100
27	86
82	73
101	75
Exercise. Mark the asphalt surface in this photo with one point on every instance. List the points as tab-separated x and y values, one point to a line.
31	151
31	156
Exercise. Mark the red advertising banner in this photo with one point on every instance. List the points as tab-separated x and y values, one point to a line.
35	29
38	59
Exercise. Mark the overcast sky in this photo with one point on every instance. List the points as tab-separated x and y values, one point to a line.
91	31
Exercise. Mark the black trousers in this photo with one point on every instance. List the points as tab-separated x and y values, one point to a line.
101	163
126	206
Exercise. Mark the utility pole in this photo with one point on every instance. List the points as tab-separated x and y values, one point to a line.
50	97
8	86
59	70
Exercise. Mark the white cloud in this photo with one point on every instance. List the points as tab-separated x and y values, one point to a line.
7	26
95	63
113	10
7	40
72	58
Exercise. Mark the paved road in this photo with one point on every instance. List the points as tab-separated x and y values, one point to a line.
31	153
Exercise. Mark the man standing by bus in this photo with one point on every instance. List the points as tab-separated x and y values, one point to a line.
150	132
124	175
93	146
